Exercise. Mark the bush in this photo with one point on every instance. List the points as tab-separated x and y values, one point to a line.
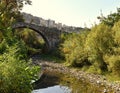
31	38
94	69
3	46
116	68
73	49
89	48
16	74
113	59
98	44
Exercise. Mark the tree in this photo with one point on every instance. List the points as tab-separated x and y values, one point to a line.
73	49
10	10
9	13
98	44
111	19
12	5
16	72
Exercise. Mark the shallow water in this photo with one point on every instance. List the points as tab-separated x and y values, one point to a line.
54	89
51	82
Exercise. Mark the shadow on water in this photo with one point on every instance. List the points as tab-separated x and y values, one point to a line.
47	80
78	86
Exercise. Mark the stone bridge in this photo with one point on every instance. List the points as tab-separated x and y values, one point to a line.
51	36
48	29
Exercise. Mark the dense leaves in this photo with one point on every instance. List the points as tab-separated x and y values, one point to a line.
15	73
30	37
10	12
111	19
73	49
95	51
16	70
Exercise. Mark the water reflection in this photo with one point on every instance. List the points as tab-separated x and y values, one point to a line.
47	84
54	89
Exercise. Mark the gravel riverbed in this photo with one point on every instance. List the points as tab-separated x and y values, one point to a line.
97	80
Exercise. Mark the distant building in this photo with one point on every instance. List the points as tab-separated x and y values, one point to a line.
28	18
43	22
35	20
50	23
59	26
55	25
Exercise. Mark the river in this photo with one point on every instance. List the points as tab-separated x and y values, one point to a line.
56	76
55	82
53	89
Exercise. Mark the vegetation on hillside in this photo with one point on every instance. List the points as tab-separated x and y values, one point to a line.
96	51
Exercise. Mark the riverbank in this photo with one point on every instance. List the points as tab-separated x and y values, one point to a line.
96	80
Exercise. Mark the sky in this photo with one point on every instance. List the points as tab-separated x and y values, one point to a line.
79	13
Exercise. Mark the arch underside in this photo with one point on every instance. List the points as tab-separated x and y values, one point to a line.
51	36
34	28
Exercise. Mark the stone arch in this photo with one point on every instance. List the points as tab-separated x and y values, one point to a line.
32	27
50	35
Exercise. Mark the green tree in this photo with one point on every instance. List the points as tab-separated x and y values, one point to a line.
73	49
16	74
111	19
113	60
98	44
10	12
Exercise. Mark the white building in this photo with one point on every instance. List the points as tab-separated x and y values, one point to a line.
43	22
59	26
50	23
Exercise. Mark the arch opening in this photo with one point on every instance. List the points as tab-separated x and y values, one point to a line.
51	36
35	41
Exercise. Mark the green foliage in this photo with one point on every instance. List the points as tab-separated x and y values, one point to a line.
11	40
111	19
10	12
98	44
33	41
114	64
73	49
113	60
16	71
31	38
3	46
94	69
100	48
16	74
96	51
1	36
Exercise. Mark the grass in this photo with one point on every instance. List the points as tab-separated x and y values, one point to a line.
50	57
112	78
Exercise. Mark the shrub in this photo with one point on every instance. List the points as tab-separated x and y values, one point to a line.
113	59
116	68
3	46
16	74
94	69
73	49
98	44
98	50
31	38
